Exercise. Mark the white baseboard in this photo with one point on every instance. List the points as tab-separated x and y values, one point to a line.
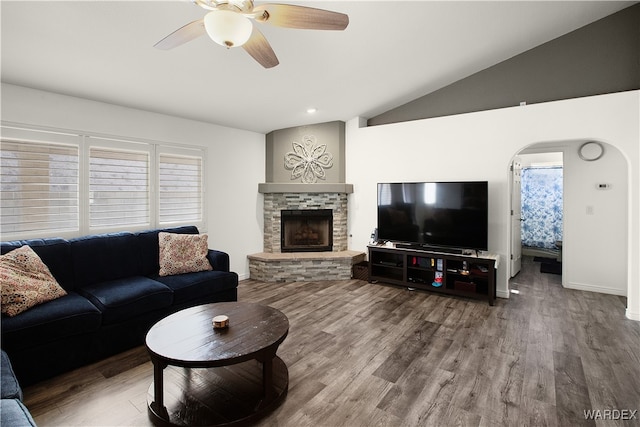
502	294
593	288
632	315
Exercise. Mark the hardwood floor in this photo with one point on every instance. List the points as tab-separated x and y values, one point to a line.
362	354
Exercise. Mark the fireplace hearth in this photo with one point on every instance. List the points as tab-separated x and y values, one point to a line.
306	230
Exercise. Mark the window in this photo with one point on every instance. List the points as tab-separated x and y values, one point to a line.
63	184
118	188
180	190
38	187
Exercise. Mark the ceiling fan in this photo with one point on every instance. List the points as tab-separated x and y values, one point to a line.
228	23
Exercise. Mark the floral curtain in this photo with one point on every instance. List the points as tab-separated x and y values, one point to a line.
541	207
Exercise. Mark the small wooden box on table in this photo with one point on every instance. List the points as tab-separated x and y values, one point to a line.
472	276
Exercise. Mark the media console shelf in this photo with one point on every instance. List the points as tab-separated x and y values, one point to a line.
452	274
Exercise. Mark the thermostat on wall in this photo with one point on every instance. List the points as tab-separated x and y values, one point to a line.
603	186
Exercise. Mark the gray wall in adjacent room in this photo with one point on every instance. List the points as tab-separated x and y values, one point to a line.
602	57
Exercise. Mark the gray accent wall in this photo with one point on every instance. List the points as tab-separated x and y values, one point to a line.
602	57
279	142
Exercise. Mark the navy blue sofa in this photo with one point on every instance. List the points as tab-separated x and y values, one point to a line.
114	295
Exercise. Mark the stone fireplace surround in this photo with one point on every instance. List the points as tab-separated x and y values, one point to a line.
274	203
272	265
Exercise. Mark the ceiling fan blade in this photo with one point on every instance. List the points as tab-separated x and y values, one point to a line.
301	17
259	48
182	35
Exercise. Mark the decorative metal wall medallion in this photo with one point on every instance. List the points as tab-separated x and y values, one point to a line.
308	161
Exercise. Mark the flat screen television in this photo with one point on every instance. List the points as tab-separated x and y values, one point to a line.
434	214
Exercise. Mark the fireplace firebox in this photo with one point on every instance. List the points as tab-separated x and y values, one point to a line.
306	230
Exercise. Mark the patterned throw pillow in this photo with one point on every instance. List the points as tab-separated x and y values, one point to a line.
183	253
26	281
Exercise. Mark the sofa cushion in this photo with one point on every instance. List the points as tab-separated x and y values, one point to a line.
183	253
26	281
9	387
69	315
150	249
122	299
199	285
13	413
54	252
103	257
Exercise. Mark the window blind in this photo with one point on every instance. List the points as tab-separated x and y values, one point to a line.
180	190
59	183
118	187
38	187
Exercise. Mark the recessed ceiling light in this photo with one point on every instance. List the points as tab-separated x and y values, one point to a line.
311	110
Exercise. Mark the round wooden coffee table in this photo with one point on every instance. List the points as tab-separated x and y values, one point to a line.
248	381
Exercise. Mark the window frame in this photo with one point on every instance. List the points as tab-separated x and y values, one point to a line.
85	141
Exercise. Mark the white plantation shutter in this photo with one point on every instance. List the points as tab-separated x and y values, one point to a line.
39	184
63	183
180	189
118	188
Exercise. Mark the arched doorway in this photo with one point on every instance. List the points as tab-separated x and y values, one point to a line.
595	217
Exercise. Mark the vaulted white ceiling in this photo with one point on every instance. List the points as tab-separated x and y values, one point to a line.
391	52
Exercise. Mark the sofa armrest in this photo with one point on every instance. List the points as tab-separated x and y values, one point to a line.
9	388
14	413
219	260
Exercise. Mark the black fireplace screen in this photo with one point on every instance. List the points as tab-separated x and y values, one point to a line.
309	230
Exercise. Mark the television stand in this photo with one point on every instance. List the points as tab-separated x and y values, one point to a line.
472	276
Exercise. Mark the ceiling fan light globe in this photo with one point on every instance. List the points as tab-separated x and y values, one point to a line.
228	28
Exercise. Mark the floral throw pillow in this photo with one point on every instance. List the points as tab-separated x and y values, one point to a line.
183	253
26	281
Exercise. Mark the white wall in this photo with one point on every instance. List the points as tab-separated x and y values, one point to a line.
480	146
234	167
595	223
